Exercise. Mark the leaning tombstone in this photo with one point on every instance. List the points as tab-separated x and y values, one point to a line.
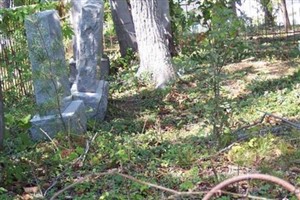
88	27
56	110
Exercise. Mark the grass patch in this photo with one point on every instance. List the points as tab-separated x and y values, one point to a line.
163	137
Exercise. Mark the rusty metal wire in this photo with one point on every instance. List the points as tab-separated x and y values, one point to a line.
268	178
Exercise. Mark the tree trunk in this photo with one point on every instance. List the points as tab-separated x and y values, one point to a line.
155	58
2	125
5	3
233	7
164	16
287	23
269	18
267	8
124	25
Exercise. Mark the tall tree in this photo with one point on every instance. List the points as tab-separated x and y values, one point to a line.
155	58
124	25
5	3
164	16
267	6
233	6
287	23
2	125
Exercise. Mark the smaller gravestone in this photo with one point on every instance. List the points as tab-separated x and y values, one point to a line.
87	18
57	111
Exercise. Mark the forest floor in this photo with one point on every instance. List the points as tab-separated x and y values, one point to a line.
163	137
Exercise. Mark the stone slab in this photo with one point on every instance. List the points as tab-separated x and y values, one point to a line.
47	57
73	116
95	102
88	17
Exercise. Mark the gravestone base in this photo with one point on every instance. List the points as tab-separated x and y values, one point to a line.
95	102
73	116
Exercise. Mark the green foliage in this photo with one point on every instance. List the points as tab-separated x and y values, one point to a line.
122	63
221	47
259	149
109	29
163	137
15	62
179	22
67	31
13	19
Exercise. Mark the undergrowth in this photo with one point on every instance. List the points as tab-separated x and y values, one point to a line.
159	136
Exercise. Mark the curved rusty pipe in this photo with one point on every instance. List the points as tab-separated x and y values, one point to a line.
264	177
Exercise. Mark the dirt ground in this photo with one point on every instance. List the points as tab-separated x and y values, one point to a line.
245	72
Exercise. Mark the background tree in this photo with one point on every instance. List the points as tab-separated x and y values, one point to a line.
155	58
267	6
123	25
287	23
5	3
164	15
2	126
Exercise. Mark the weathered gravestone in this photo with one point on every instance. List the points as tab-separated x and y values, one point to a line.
57	111
87	18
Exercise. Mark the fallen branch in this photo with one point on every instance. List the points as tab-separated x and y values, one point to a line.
242	137
217	189
148	184
109	172
174	193
221	151
297	126
251	125
52	141
80	160
248	196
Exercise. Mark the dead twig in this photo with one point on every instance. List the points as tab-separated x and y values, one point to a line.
295	125
109	172
262	177
80	160
244	136
148	184
174	193
52	141
221	151
251	125
244	195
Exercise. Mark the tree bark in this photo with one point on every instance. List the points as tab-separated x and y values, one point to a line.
2	125
164	16
233	7
124	25
155	58
5	3
269	18
287	23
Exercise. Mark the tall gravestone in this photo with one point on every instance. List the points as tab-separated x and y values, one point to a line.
87	18
56	110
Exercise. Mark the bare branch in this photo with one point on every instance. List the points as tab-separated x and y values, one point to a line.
295	125
109	172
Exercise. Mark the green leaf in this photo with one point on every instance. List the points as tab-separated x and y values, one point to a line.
186	185
2	190
26	120
79	150
72	156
